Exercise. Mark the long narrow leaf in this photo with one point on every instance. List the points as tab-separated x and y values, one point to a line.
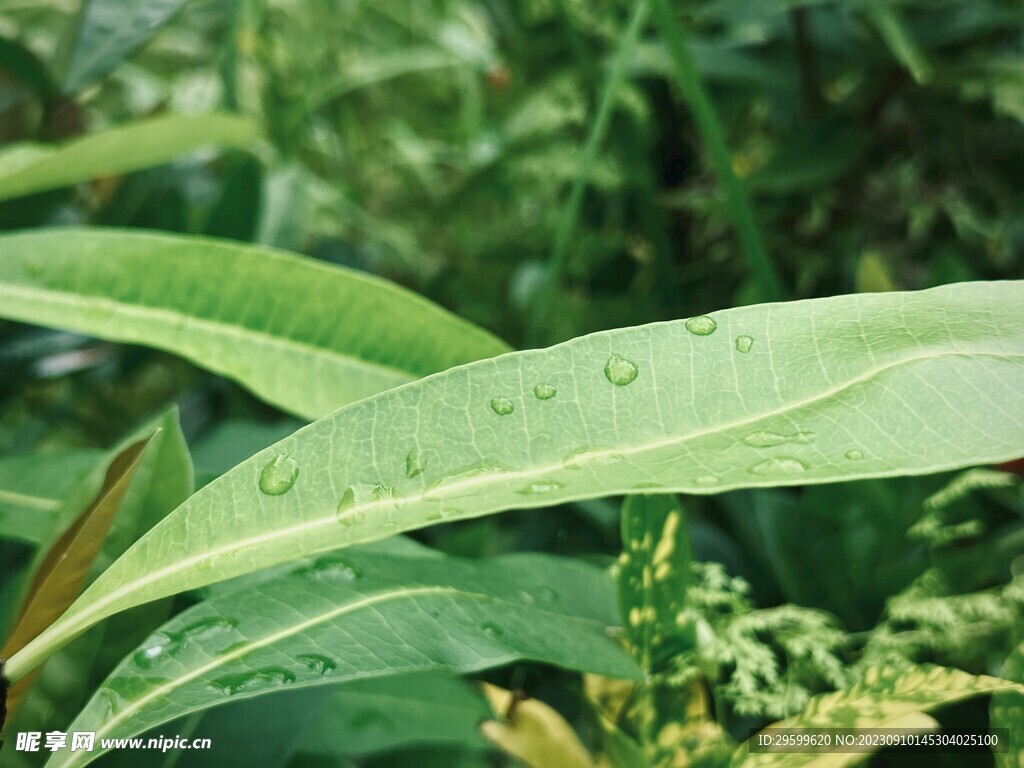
301	334
28	168
360	615
815	391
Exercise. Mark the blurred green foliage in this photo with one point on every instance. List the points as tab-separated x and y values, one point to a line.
436	143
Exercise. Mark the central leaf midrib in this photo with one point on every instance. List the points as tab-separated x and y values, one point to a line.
75	621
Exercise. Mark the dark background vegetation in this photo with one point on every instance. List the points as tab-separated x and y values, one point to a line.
435	143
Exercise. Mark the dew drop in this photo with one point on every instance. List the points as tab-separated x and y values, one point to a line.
414	464
278	475
708	480
702	325
543	486
780	465
433	517
345	506
547	593
321	665
620	371
853	455
765	439
480	469
744	343
265	679
112	701
502	406
647	486
544	391
205	629
492	629
335	569
590	456
161	647
381	492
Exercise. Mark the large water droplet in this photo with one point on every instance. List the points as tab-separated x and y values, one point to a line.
414	464
279	475
273	677
620	371
502	406
744	343
381	492
702	325
321	665
780	465
544	391
854	455
111	701
765	439
204	629
542	486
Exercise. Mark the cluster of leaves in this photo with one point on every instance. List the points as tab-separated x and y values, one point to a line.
625	162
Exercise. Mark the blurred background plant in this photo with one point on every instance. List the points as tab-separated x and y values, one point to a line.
548	168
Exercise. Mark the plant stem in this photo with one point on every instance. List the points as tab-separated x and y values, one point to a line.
711	132
571	213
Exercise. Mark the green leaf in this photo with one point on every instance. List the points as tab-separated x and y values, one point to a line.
34	487
359	615
162	481
26	168
886	698
108	31
1007	711
653	576
381	714
67	563
301	334
827	390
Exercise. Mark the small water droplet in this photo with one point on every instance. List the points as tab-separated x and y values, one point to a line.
765	439
433	517
279	475
112	701
204	629
702	325
620	371
346	507
159	647
502	406
492	629
381	492
647	486
414	464
708	480
230	685
543	486
583	456
332	568
480	469
544	391
744	343
780	465
321	665
547	593
854	455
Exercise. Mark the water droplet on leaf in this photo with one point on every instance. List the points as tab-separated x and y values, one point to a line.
702	325
543	486
502	406
854	455
492	629
620	371
544	391
414	464
744	343
708	480
765	439
279	475
582	456
265	679
321	665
